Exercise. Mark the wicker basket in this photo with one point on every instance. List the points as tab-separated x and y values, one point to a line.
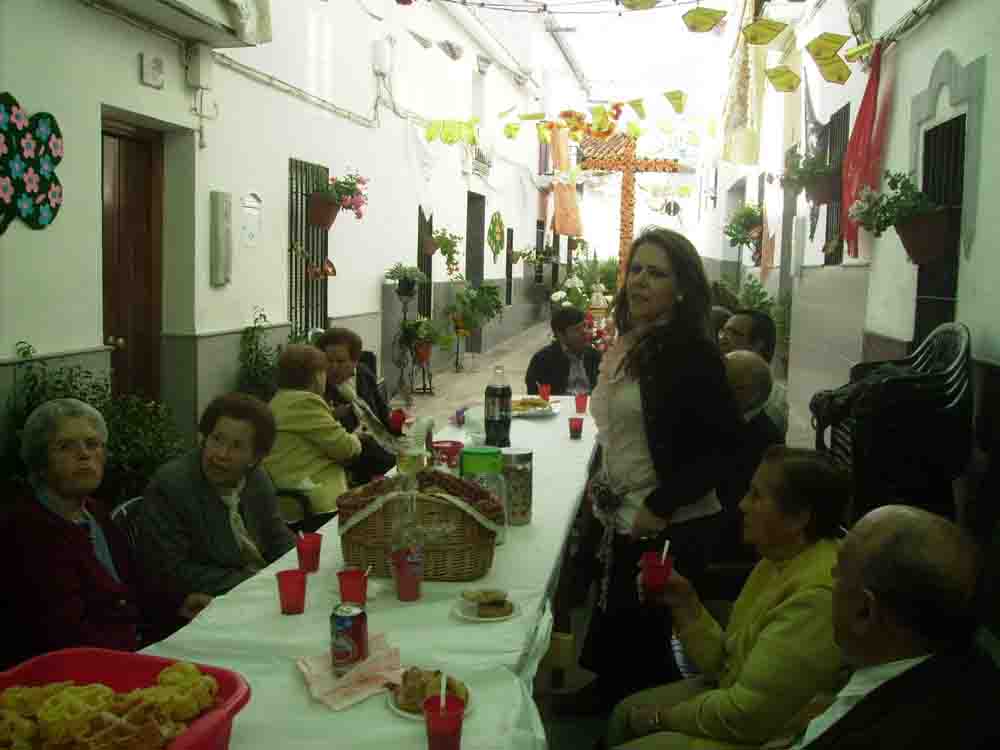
463	551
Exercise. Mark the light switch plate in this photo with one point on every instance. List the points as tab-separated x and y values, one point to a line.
152	70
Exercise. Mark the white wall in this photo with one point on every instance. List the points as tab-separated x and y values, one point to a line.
324	48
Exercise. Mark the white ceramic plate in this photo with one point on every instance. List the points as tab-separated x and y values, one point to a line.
466	611
550	411
390	701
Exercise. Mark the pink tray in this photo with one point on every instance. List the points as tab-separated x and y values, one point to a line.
124	671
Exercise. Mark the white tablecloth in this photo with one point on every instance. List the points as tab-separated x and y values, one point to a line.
245	631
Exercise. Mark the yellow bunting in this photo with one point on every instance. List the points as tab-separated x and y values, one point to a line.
701	20
451	131
763	31
601	119
634	131
511	129
639	108
544	134
470	132
433	131
576	135
533	116
834	70
783	78
825	46
684	191
858	52
506	112
677	99
639	4
693	138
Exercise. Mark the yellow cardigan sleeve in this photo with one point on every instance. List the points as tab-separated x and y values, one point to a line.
312	420
704	643
793	657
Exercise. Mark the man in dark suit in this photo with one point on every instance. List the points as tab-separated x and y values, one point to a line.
904	617
569	364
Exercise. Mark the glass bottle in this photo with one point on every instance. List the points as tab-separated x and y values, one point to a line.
497	409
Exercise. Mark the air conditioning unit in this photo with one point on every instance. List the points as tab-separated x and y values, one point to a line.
216	23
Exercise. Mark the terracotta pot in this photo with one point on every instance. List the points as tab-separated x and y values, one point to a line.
322	211
823	190
931	236
422	350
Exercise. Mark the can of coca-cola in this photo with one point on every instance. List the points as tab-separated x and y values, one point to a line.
348	636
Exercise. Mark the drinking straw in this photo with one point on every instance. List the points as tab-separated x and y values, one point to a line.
444	690
368	570
663	557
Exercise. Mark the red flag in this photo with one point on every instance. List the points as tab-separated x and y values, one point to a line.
863	160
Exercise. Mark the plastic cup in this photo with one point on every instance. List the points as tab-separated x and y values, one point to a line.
353	586
292	591
575	428
655	573
444	728
308	547
446	453
408	573
581	403
544	391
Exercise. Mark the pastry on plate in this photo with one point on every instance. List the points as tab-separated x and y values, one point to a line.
485	596
419	684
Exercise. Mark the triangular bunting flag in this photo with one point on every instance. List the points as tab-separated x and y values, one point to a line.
511	129
700	20
834	70
763	31
433	131
639	108
783	78
826	45
677	100
506	112
533	116
601	119
634	131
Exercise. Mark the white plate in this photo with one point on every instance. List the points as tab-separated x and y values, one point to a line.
550	411
460	611
390	701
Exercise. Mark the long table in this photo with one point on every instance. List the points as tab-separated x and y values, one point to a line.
245	631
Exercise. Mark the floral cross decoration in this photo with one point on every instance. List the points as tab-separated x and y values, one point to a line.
30	150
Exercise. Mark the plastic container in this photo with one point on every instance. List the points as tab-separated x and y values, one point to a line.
444	727
308	547
123	671
353	586
517	473
292	591
655	571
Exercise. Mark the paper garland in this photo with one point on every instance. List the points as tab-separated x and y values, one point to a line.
763	31
495	235
701	20
823	50
783	78
30	150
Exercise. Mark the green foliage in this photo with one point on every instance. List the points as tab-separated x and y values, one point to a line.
141	433
782	313
743	228
258	360
447	243
752	295
800	173
876	212
475	306
399	272
593	271
424	330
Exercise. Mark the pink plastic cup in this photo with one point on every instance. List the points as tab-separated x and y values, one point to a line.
545	391
581	403
292	591
308	547
655	573
353	586
575	428
444	728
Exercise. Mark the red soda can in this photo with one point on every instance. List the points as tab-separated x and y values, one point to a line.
348	636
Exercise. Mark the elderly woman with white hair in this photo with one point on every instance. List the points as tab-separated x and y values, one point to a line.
73	580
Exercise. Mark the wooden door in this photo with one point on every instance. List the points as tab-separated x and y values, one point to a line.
475	248
132	189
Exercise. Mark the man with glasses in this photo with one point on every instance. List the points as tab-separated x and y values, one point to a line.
754	331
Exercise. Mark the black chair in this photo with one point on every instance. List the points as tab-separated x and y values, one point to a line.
310	521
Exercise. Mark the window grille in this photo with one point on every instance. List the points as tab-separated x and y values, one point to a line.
425	262
308	247
838	134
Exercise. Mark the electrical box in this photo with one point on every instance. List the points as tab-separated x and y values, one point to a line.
199	66
152	71
221	229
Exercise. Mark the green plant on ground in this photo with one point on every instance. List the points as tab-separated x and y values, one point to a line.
903	201
422	330
258	359
744	226
475	306
801	172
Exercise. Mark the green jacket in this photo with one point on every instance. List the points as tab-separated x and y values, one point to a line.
311	446
185	531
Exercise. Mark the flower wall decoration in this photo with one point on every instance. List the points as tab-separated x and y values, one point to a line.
30	150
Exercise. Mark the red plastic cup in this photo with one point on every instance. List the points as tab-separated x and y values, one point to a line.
444	728
353	586
544	391
655	572
447	452
581	403
408	573
292	591
308	547
576	427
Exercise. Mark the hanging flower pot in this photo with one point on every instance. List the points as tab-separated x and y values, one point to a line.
823	189
429	247
422	351
928	237
406	287
322	211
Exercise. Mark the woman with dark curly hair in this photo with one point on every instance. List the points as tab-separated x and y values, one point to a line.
666	421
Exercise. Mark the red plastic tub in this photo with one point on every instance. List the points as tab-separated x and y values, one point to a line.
124	671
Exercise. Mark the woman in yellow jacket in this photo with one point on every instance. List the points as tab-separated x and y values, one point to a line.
777	651
312	450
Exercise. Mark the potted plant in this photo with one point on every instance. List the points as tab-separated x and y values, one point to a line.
570	295
421	335
474	307
258	360
406	278
447	243
744	226
820	180
928	231
340	192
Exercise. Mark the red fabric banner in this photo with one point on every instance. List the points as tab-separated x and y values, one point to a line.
863	160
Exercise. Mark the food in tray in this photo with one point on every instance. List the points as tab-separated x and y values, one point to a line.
67	716
529	403
489	603
420	684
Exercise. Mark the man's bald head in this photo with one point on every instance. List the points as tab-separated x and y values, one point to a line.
919	571
750	378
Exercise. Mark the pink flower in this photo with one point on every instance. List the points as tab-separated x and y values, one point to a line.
31	178
18	117
345	202
55	195
359	214
357	201
6	190
28	146
56	146
361	180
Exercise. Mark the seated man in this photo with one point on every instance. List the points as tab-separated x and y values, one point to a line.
209	519
753	330
904	617
72	580
569	364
